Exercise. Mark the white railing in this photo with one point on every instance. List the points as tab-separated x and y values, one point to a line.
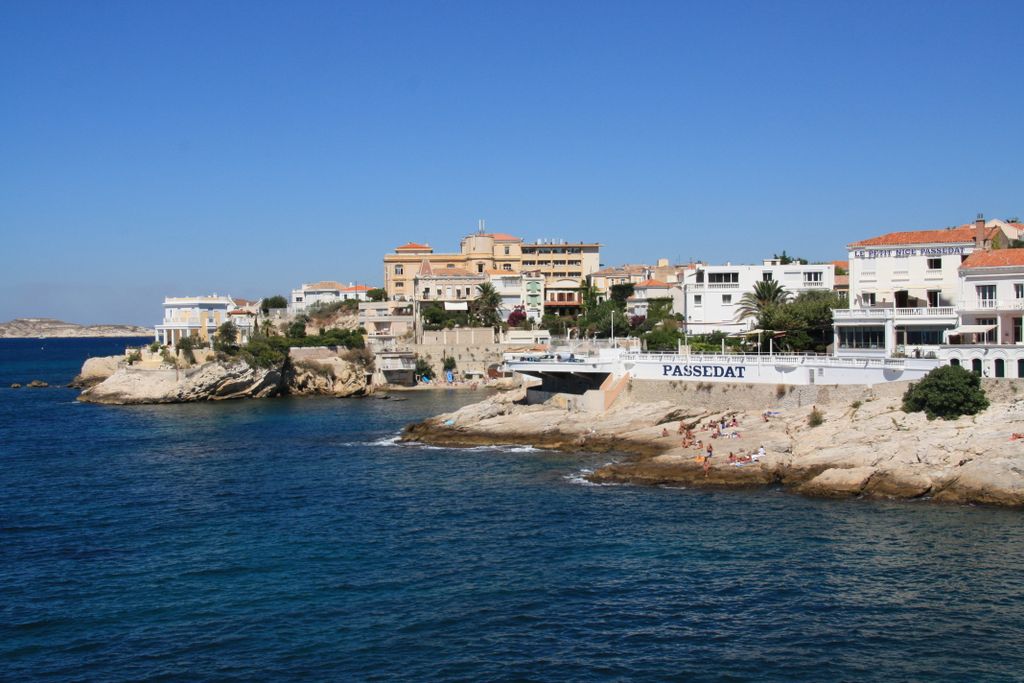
813	284
723	285
991	304
764	359
890	313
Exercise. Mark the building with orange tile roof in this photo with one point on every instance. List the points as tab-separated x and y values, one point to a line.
326	292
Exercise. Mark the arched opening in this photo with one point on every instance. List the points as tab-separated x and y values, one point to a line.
976	366
954	361
1000	367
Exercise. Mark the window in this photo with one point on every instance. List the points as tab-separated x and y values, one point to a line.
479	267
813	277
506	250
399	269
727	298
1018	290
399	284
986	296
426	291
768	276
868	298
935	264
697	300
862	337
988	337
933	298
506	266
723	277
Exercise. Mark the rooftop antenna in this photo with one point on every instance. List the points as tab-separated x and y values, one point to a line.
480	224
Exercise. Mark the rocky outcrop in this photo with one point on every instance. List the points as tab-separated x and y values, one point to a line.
326	377
48	327
37	384
214	381
866	447
110	380
95	370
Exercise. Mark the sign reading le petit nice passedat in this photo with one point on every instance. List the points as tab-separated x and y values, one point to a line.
672	370
904	252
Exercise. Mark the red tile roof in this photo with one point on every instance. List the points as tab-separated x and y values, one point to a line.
413	246
997	258
503	237
964	233
357	288
845	265
652	283
324	284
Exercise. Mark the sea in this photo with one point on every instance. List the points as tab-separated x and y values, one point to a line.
297	539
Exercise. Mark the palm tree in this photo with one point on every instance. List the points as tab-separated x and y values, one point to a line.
766	293
488	304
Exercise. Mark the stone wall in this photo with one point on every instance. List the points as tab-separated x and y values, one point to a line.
720	396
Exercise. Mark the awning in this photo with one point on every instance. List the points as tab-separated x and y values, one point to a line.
972	329
456	306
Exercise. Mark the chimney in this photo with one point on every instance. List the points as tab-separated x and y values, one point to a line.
979	231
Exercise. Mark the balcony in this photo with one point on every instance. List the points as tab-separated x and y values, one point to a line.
993	305
930	314
723	285
813	284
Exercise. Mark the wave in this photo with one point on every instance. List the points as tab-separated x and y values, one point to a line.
580	479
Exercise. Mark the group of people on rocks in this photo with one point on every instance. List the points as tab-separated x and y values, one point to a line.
718	430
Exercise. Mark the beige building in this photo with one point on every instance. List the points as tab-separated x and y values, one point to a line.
480	252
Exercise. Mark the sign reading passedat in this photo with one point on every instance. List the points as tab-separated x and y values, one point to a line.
904	252
695	370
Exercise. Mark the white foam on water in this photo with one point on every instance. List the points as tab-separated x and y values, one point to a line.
580	479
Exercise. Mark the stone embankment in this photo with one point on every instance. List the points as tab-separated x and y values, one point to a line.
216	380
865	447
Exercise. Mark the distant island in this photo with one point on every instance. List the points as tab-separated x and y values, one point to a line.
48	327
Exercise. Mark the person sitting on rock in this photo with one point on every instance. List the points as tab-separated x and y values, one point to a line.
664	432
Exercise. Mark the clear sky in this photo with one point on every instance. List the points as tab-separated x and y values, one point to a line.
174	148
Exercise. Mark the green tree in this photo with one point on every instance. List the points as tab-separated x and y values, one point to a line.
448	363
806	321
487	305
659	309
588	297
947	392
226	337
376	294
186	345
766	293
423	368
276	301
663	338
297	329
619	293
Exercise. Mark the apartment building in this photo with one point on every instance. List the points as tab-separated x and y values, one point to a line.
905	287
482	252
327	291
709	296
200	316
447	285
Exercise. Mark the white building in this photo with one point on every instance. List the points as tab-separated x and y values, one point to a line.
643	293
325	292
905	287
200	316
509	286
709	296
387	323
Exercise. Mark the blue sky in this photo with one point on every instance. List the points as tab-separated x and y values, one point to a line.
171	148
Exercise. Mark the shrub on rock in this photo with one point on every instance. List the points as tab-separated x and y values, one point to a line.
947	392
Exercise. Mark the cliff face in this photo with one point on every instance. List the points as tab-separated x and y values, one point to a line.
213	381
866	446
48	327
109	380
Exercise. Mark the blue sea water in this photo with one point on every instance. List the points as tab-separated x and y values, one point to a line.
294	539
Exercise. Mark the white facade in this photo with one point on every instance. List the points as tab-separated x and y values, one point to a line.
709	296
198	316
325	292
643	293
509	286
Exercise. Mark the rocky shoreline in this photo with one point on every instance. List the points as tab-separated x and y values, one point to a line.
112	381
866	447
49	328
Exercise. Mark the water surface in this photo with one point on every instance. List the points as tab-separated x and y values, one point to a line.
294	539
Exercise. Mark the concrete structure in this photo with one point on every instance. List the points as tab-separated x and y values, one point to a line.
387	323
200	316
709	296
325	292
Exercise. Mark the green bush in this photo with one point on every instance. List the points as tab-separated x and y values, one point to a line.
423	368
448	363
134	357
816	418
947	392
154	347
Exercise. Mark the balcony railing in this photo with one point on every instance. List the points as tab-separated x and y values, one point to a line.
723	285
893	313
993	304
